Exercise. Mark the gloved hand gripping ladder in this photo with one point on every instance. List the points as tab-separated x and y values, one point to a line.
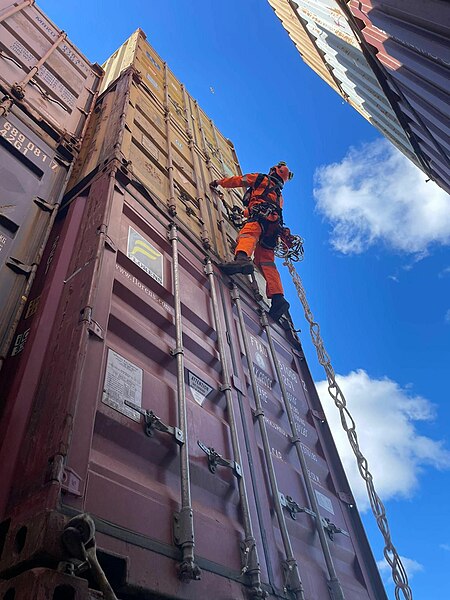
184	521
250	567
293	581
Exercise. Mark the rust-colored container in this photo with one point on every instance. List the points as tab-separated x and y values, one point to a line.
208	478
157	141
411	39
33	176
44	72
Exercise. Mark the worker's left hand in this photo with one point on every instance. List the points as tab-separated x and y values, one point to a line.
213	185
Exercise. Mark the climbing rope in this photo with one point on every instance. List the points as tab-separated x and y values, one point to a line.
390	553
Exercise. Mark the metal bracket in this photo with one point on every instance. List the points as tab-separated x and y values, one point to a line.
18	266
215	459
331	528
293	508
153	423
92	326
44	204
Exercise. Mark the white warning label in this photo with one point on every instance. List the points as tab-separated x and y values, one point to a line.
123	381
199	388
324	502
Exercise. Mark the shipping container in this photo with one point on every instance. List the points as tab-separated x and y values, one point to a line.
44	72
411	40
397	81
33	176
173	153
165	405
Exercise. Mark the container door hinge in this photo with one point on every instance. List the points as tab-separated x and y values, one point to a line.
346	498
92	326
215	459
102	230
18	266
153	423
44	204
69	480
318	414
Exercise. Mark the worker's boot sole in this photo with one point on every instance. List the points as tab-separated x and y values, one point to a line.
235	267
277	311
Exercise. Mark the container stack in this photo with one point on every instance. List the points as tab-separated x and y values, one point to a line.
154	411
47	90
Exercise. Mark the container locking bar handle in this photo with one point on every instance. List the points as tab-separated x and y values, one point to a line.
334	585
184	520
250	561
293	580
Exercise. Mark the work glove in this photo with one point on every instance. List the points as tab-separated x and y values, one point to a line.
213	185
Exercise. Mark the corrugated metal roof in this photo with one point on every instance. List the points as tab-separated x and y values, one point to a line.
411	39
322	27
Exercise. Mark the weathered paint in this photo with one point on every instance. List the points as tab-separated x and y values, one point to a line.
44	71
33	176
322	26
121	349
411	40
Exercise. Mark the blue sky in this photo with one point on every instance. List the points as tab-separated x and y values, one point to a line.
377	266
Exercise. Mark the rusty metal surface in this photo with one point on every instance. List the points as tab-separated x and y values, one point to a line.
46	584
83	447
43	70
158	144
32	179
411	40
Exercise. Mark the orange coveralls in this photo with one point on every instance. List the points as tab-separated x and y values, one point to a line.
251	234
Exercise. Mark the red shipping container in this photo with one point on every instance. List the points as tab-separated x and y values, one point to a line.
115	337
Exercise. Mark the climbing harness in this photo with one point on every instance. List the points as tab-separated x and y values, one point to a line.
390	553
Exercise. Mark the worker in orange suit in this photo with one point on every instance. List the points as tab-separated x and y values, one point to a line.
259	235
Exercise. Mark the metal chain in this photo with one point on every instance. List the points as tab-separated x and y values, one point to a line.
390	553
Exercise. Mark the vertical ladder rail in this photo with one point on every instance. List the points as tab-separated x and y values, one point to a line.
293	580
184	520
171	203
334	585
251	566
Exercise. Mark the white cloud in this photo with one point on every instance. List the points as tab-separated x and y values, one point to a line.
447	316
445	547
444	273
386	416
411	566
376	194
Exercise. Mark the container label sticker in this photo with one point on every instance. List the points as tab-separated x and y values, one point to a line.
152	81
19	342
152	60
123	381
200	389
324	502
146	256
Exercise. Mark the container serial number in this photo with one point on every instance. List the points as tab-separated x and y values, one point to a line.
26	146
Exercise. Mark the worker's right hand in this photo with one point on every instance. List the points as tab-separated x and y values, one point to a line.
213	185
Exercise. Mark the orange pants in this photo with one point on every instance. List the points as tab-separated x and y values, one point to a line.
248	242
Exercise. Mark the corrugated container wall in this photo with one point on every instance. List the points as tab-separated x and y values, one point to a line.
152	392
48	89
411	40
329	39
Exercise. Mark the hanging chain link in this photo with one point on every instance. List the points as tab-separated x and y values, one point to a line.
390	553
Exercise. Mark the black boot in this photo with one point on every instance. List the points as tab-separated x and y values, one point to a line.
241	264
279	306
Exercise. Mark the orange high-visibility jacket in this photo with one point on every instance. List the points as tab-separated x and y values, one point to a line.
256	194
